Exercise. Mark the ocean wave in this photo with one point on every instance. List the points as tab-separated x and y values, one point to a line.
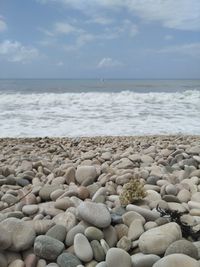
95	113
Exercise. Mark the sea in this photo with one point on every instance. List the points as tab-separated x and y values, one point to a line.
99	107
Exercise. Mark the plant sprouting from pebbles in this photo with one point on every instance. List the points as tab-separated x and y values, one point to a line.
132	191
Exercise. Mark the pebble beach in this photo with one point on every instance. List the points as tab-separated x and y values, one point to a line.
60	202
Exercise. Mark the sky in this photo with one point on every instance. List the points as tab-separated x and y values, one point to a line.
135	39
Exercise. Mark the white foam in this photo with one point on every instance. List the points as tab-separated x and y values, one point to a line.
91	114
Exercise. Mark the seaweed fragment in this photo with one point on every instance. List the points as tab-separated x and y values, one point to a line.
175	216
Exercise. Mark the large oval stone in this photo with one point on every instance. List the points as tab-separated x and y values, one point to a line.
82	248
22	235
175	260
47	247
118	257
94	213
157	240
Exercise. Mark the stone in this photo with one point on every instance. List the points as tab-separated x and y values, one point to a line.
118	257
30	209
68	259
98	252
86	175
184	247
82	248
47	247
130	216
63	203
67	219
22	235
17	263
5	238
149	215
31	260
70	175
3	260
142	260
135	229
93	233
110	236
101	264
157	240
46	191
124	243
71	234
171	189
83	192
122	230
58	232
94	213
41	263
175	260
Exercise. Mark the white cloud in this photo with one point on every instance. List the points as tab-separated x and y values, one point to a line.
168	37
108	62
100	20
14	51
3	25
191	49
64	28
59	63
175	14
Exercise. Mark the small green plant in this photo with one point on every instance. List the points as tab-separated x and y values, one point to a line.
132	191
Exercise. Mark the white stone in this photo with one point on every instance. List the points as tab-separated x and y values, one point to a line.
82	248
156	240
117	257
94	213
176	260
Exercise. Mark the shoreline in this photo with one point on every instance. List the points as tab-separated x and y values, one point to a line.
62	200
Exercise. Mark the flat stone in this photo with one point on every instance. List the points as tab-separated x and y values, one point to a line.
135	230
124	243
67	219
82	248
130	216
98	252
94	213
184	247
68	259
31	260
157	240
72	232
58	232
30	209
175	260
46	191
17	263
86	174
142	260
110	235
118	257
22	235
93	233
149	215
47	247
63	203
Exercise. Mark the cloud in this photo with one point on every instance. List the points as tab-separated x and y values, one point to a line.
108	62
14	51
3	25
191	49
175	14
59	63
168	37
65	28
101	20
